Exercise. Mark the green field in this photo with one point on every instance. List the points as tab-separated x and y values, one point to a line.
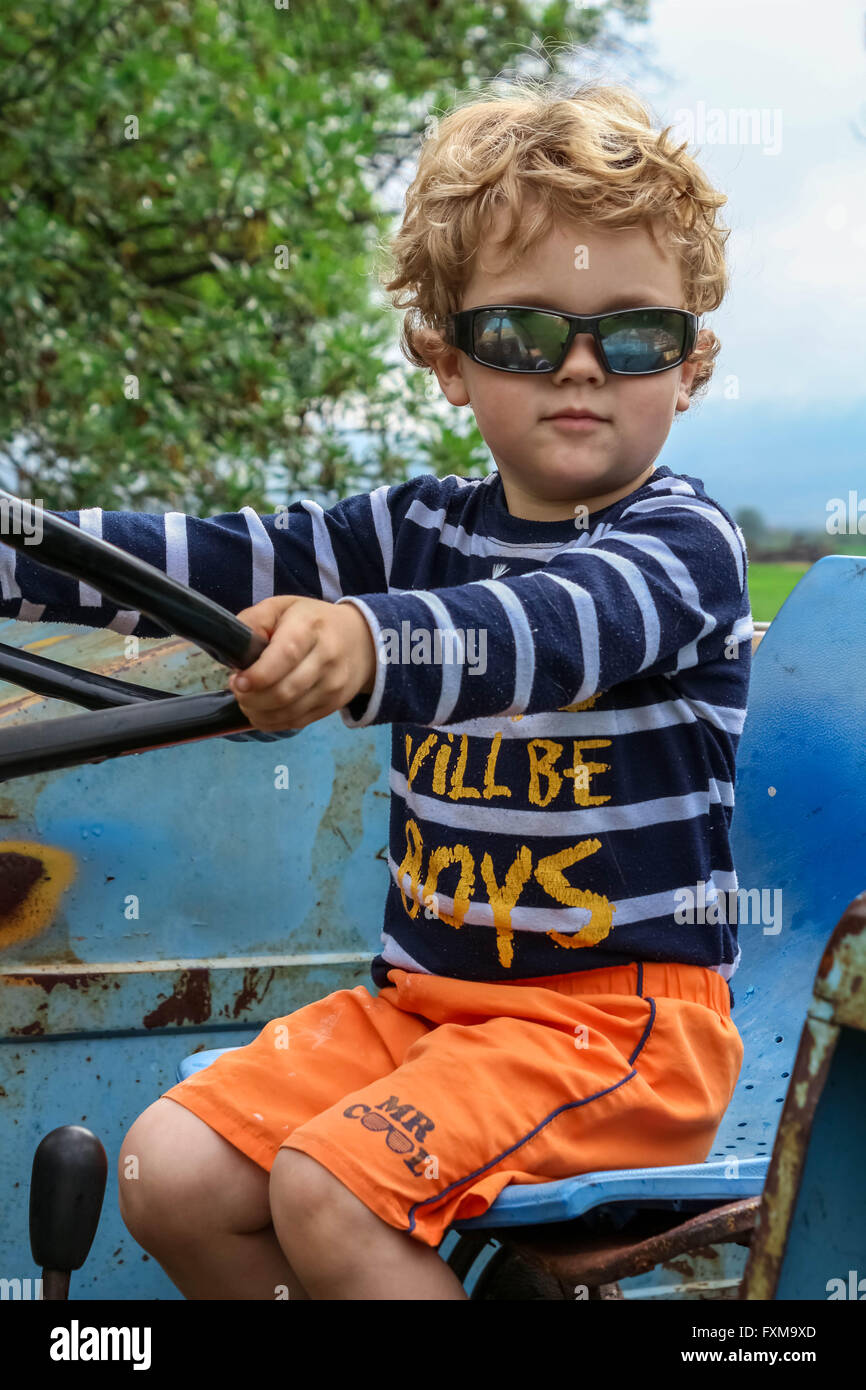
770	585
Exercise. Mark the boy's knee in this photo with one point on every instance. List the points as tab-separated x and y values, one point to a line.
303	1190
295	1180
156	1173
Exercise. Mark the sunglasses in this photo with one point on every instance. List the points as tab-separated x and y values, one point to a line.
519	338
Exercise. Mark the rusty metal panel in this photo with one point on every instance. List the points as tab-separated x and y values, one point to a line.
55	1002
103	1082
841	977
205	851
710	1274
812	1226
817	1043
162	903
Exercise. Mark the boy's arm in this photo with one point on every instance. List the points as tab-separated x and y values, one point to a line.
235	558
660	592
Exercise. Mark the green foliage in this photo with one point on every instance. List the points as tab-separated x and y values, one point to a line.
770	585
158	348
790	545
752	524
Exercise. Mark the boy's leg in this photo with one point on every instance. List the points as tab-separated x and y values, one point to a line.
340	1248
193	1171
200	1207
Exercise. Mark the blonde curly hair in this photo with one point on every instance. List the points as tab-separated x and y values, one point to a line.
590	155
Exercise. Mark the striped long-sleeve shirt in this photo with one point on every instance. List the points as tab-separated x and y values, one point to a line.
565	701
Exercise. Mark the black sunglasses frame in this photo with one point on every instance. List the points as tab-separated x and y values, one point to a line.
460	327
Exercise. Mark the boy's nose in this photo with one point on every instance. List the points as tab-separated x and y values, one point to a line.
582	361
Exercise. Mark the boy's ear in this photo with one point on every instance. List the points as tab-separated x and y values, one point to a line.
689	369
445	362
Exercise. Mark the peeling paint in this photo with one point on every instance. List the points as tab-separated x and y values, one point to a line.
189	1003
252	991
842	963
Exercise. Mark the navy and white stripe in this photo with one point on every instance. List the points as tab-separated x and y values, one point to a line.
553	804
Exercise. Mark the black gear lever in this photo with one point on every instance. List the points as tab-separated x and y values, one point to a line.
66	1190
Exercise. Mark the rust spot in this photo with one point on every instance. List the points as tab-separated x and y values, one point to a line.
33	1028
252	991
850	924
686	1265
189	1003
74	979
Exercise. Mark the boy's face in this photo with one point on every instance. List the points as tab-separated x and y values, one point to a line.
547	468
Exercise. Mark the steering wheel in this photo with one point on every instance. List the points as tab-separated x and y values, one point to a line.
125	718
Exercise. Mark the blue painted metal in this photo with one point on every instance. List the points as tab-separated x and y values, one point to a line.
207	899
810	1240
103	1081
826	1244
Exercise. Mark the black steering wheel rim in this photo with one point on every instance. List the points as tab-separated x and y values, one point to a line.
123	717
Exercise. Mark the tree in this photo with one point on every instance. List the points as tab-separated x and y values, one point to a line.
751	523
191	193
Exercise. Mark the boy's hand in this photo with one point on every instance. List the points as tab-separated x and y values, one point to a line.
319	656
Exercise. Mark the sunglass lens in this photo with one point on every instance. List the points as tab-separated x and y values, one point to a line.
645	340
519	341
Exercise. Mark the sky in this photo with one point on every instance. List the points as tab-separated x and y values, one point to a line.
783	425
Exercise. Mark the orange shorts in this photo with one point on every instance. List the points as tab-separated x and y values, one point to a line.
427	1099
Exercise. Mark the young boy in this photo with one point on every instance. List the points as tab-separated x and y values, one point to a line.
562	648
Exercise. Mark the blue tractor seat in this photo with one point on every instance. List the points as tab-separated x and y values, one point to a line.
799	828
